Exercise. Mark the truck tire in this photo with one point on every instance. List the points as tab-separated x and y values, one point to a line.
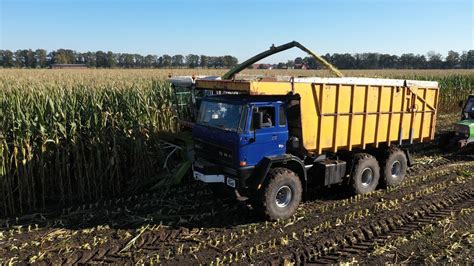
394	167
281	195
366	173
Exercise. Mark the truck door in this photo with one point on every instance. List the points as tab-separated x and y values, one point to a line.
270	140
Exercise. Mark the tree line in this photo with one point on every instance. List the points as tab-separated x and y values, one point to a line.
40	58
431	60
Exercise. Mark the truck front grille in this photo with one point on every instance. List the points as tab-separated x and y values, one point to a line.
213	152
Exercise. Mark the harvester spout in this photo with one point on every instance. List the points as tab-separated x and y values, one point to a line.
276	49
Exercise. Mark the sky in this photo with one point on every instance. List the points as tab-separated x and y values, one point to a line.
238	27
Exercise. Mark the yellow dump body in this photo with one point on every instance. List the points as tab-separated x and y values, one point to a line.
348	113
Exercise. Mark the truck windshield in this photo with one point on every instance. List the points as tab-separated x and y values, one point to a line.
222	115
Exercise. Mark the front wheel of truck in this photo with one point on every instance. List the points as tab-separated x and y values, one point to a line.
280	196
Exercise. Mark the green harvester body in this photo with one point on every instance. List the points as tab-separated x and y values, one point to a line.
463	134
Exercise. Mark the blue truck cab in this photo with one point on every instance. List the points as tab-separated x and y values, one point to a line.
239	139
224	134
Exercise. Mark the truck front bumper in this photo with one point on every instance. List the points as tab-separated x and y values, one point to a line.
231	182
212	173
208	178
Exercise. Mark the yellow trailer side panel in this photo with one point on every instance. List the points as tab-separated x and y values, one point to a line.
336	116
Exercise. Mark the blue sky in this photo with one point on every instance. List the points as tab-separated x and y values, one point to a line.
241	28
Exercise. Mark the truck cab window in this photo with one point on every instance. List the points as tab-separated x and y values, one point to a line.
243	119
282	116
268	116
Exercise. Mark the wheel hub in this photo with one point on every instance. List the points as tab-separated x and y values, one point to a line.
396	169
367	177
283	196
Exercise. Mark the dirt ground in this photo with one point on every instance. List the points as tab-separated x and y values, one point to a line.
428	219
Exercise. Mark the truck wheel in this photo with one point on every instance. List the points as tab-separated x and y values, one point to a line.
366	173
394	167
221	191
281	196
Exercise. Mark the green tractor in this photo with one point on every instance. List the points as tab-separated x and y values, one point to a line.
463	134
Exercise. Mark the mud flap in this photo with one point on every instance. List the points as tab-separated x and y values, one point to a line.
287	161
410	161
261	171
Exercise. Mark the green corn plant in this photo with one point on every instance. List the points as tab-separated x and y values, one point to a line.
70	137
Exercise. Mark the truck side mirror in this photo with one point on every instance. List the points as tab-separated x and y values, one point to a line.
257	120
460	104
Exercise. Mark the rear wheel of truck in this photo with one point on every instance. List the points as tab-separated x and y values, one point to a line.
366	173
394	167
281	195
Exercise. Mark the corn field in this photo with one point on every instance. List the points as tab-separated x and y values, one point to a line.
70	136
